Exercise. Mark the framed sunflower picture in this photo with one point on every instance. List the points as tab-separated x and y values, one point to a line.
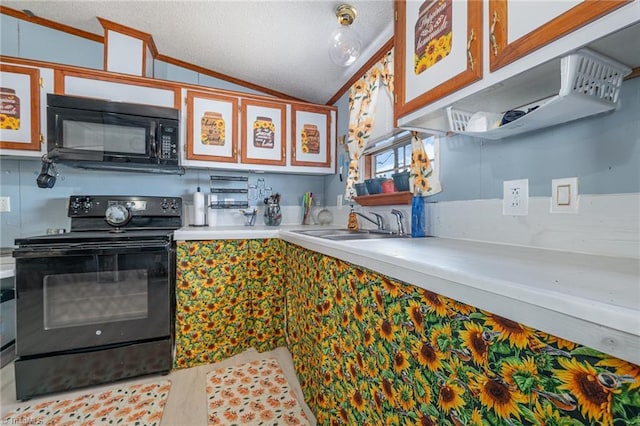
310	136
263	132
212	127
19	108
438	49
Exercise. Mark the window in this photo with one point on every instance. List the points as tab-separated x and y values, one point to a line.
391	160
384	159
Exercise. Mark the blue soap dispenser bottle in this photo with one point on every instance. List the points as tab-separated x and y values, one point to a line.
418	217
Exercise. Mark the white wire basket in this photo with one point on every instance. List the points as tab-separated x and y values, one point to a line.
589	73
458	119
590	84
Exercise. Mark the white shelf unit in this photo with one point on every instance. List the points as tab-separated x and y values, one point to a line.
590	84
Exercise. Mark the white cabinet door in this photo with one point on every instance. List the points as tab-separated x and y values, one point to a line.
24	109
519	27
121	89
438	50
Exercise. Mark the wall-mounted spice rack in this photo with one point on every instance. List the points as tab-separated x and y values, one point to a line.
223	186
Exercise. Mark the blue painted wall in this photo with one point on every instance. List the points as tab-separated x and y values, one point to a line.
34	209
30	41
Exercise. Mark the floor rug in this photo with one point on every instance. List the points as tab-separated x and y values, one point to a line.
137	404
255	393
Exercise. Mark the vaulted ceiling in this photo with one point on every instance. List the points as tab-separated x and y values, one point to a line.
279	45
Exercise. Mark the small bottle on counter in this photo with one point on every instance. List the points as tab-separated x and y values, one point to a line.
352	222
418	217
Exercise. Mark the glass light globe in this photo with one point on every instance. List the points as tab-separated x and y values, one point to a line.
344	46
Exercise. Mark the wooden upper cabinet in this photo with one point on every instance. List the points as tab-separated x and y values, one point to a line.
438	50
127	50
310	136
20	113
517	28
264	128
212	127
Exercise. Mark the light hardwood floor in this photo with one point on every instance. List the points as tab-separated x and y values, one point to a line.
187	401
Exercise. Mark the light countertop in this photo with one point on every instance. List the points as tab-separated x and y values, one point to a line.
7	267
591	300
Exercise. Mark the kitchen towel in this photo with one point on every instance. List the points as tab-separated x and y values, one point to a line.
255	393
141	404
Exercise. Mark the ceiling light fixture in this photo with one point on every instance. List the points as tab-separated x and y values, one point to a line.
344	45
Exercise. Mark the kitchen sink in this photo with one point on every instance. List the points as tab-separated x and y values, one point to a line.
346	235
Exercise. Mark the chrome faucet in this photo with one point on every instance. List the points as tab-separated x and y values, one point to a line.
399	218
379	222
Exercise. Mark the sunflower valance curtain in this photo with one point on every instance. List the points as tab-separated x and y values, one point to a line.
363	97
423	180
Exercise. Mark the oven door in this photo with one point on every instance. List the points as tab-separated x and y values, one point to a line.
83	297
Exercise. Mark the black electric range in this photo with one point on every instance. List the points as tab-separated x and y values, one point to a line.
96	304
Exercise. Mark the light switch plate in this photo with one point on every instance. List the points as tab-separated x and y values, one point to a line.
5	204
515	197
564	195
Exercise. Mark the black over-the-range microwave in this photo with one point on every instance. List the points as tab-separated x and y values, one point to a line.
87	131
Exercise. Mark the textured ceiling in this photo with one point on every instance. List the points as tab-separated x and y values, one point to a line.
280	45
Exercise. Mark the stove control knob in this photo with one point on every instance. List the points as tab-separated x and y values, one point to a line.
117	215
174	205
86	204
164	205
75	204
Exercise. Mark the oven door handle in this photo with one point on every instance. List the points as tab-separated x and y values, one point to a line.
85	249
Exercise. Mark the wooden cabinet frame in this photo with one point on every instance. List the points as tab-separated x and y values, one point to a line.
473	71
322	122
221	112
27	87
252	112
502	53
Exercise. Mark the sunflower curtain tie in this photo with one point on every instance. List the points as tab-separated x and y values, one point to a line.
352	175
363	98
422	181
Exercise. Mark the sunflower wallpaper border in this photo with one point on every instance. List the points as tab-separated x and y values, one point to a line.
357	336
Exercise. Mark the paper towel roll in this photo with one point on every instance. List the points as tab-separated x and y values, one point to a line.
198	208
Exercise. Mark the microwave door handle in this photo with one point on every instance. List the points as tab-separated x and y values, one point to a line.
153	143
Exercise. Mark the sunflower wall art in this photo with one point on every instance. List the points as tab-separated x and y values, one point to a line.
432	41
228	298
310	136
211	127
263	134
370	350
19	108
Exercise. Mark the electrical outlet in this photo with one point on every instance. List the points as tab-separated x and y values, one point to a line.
515	197
5	204
339	202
